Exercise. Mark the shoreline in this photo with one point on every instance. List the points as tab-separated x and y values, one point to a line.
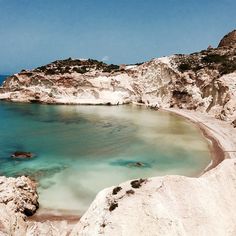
217	154
218	133
70	219
216	150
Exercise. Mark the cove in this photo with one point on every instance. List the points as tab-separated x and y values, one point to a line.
82	149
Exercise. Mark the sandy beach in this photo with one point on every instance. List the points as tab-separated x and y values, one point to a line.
195	200
222	141
220	135
221	131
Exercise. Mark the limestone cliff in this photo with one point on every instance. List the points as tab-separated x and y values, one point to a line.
203	81
18	199
171	205
166	206
229	40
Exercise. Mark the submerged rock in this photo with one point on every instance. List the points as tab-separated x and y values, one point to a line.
137	164
37	174
22	155
131	164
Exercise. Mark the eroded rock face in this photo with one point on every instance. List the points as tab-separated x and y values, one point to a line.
19	195
171	205
228	40
18	199
202	81
22	155
234	123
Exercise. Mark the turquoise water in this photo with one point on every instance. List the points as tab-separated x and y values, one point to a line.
83	149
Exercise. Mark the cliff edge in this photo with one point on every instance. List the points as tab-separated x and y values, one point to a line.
173	205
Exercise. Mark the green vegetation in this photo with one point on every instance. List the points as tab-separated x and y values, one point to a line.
75	65
184	67
224	62
227	67
80	70
49	72
214	58
110	68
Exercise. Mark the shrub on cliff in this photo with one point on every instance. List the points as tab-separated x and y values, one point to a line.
214	58
227	67
80	70
111	68
50	72
184	67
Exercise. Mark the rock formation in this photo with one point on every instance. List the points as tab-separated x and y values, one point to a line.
22	155
229	40
18	199
203	81
173	205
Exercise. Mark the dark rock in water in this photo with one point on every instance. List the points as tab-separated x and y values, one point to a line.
131	164
37	174
137	164
22	155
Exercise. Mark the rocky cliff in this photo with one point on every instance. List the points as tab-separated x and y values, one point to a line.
18	199
203	81
171	205
229	40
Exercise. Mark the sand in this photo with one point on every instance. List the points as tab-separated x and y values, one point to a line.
222	140
173	204
221	131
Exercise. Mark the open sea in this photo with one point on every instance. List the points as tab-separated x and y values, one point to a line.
2	78
82	149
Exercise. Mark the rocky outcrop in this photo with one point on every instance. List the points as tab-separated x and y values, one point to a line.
70	82
234	123
202	81
18	199
22	155
19	195
229	40
170	205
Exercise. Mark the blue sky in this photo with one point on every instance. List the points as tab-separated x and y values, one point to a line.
36	32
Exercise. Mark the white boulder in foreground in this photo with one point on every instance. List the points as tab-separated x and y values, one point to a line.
170	205
18	199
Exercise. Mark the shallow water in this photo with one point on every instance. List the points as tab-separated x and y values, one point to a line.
83	149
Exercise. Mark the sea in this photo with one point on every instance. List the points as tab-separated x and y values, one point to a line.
2	78
80	150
